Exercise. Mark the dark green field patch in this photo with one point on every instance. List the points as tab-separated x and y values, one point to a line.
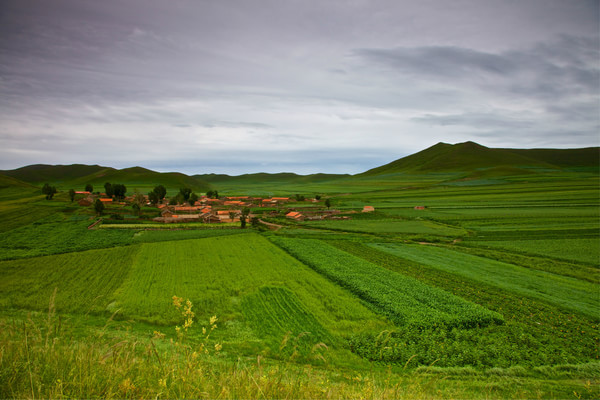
406	301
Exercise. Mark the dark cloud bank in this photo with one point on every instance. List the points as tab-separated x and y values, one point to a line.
333	86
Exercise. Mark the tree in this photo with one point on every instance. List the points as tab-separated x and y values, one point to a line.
153	197
119	190
186	193
49	191
212	194
318	197
108	189
139	199
244	217
89	188
98	206
161	192
72	194
255	222
232	215
178	199
193	198
300	197
136	208
327	203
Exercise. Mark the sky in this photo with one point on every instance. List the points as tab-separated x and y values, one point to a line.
304	86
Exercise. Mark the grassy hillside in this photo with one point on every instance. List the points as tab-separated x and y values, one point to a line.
77	176
138	176
57	174
569	158
471	157
7	182
467	156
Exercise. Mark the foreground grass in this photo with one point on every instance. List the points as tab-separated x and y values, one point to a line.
42	356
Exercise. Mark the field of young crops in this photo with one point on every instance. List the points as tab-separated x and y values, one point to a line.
216	273
405	300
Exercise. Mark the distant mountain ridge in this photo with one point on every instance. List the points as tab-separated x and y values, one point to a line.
467	157
470	156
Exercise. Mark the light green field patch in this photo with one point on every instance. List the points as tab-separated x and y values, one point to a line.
216	273
564	292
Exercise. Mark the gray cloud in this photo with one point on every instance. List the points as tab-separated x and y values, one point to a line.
341	84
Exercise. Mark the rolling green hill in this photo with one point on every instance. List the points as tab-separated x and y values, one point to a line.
138	176
9	182
57	174
470	156
77	176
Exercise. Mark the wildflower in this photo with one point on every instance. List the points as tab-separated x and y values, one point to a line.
177	301
218	347
159	335
126	385
213	319
162	382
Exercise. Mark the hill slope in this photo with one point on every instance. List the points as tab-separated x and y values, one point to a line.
77	176
470	156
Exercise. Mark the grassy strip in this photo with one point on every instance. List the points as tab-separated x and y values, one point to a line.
564	292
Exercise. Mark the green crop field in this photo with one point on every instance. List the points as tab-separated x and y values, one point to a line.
491	291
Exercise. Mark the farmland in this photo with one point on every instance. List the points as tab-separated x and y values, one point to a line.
489	291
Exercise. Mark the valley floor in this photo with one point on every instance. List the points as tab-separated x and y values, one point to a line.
490	291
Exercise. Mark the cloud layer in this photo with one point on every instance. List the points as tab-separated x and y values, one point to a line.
334	86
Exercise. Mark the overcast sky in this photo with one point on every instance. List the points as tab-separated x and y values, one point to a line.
303	86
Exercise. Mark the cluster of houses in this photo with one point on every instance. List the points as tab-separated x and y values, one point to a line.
226	209
207	210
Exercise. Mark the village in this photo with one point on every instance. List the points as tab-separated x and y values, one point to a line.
227	209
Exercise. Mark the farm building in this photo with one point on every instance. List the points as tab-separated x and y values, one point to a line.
234	203
295	215
86	202
187	208
368	209
106	200
419	207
